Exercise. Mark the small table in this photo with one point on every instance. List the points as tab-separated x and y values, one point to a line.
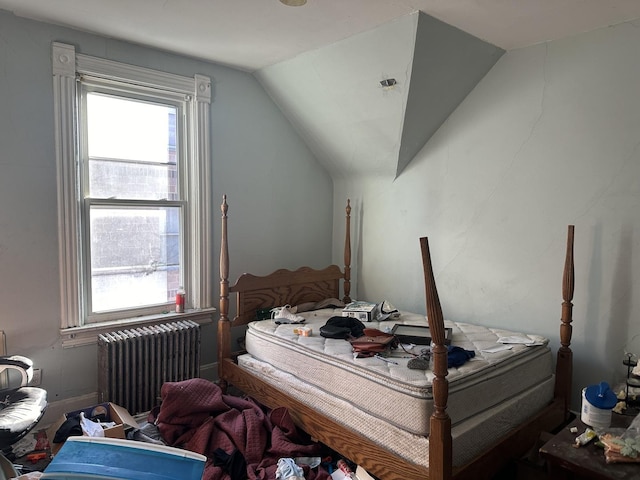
565	461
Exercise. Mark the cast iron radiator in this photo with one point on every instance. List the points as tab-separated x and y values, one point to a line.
133	364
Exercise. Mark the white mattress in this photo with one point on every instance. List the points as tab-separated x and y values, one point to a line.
377	388
470	437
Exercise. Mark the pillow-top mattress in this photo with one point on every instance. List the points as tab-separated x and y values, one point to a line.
470	437
392	391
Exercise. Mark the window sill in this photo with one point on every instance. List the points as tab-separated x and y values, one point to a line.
88	334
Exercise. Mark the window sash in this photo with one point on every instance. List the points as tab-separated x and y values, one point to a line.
183	266
92	85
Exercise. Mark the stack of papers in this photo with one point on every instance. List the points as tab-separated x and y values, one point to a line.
522	339
497	348
506	343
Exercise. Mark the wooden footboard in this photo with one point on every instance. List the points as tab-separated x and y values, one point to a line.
309	285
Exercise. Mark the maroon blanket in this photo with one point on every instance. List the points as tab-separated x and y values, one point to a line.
196	415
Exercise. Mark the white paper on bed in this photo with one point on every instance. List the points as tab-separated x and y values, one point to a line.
529	340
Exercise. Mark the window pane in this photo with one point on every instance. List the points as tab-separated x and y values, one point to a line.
131	148
113	179
135	256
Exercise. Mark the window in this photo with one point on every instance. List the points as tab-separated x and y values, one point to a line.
134	205
134	191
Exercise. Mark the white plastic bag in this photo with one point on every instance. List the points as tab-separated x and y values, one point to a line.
90	428
625	447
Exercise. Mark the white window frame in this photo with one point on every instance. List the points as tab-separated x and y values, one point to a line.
67	67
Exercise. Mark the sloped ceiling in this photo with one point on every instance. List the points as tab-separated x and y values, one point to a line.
357	126
353	125
447	65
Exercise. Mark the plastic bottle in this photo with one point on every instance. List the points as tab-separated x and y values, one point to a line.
348	473
180	297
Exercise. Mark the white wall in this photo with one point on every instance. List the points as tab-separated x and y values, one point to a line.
271	178
550	137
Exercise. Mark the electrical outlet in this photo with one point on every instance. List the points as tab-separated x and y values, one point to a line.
36	380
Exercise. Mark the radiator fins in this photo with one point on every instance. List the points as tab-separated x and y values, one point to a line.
134	363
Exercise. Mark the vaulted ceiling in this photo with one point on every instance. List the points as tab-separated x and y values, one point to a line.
367	104
323	62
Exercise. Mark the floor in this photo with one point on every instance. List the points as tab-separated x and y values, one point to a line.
523	471
529	467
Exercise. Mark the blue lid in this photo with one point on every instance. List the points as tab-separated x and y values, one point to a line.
101	458
601	396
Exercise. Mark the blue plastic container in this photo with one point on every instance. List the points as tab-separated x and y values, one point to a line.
98	458
597	403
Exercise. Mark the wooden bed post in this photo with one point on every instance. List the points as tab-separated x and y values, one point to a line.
440	443
224	336
565	355
347	256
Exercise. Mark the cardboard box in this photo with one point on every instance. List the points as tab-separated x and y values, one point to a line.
109	411
363	311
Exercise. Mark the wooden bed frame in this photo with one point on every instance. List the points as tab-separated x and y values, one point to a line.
308	285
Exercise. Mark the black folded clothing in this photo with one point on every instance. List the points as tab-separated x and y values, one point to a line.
70	428
342	327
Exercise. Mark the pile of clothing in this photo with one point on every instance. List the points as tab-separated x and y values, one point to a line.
241	439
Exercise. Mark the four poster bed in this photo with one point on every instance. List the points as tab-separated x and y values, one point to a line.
398	423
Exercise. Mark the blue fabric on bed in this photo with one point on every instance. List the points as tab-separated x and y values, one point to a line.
457	356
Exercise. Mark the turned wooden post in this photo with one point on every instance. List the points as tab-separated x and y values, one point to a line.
224	336
565	355
347	256
440	443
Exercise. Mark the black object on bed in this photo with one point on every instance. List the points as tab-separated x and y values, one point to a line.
417	334
342	327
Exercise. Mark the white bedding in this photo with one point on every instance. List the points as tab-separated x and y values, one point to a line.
328	368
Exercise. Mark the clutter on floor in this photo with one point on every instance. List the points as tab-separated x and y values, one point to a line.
21	406
196	429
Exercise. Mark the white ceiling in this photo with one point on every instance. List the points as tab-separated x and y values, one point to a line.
252	34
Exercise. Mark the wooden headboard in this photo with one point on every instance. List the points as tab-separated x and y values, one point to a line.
282	287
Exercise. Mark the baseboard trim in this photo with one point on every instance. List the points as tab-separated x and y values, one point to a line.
58	408
209	371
